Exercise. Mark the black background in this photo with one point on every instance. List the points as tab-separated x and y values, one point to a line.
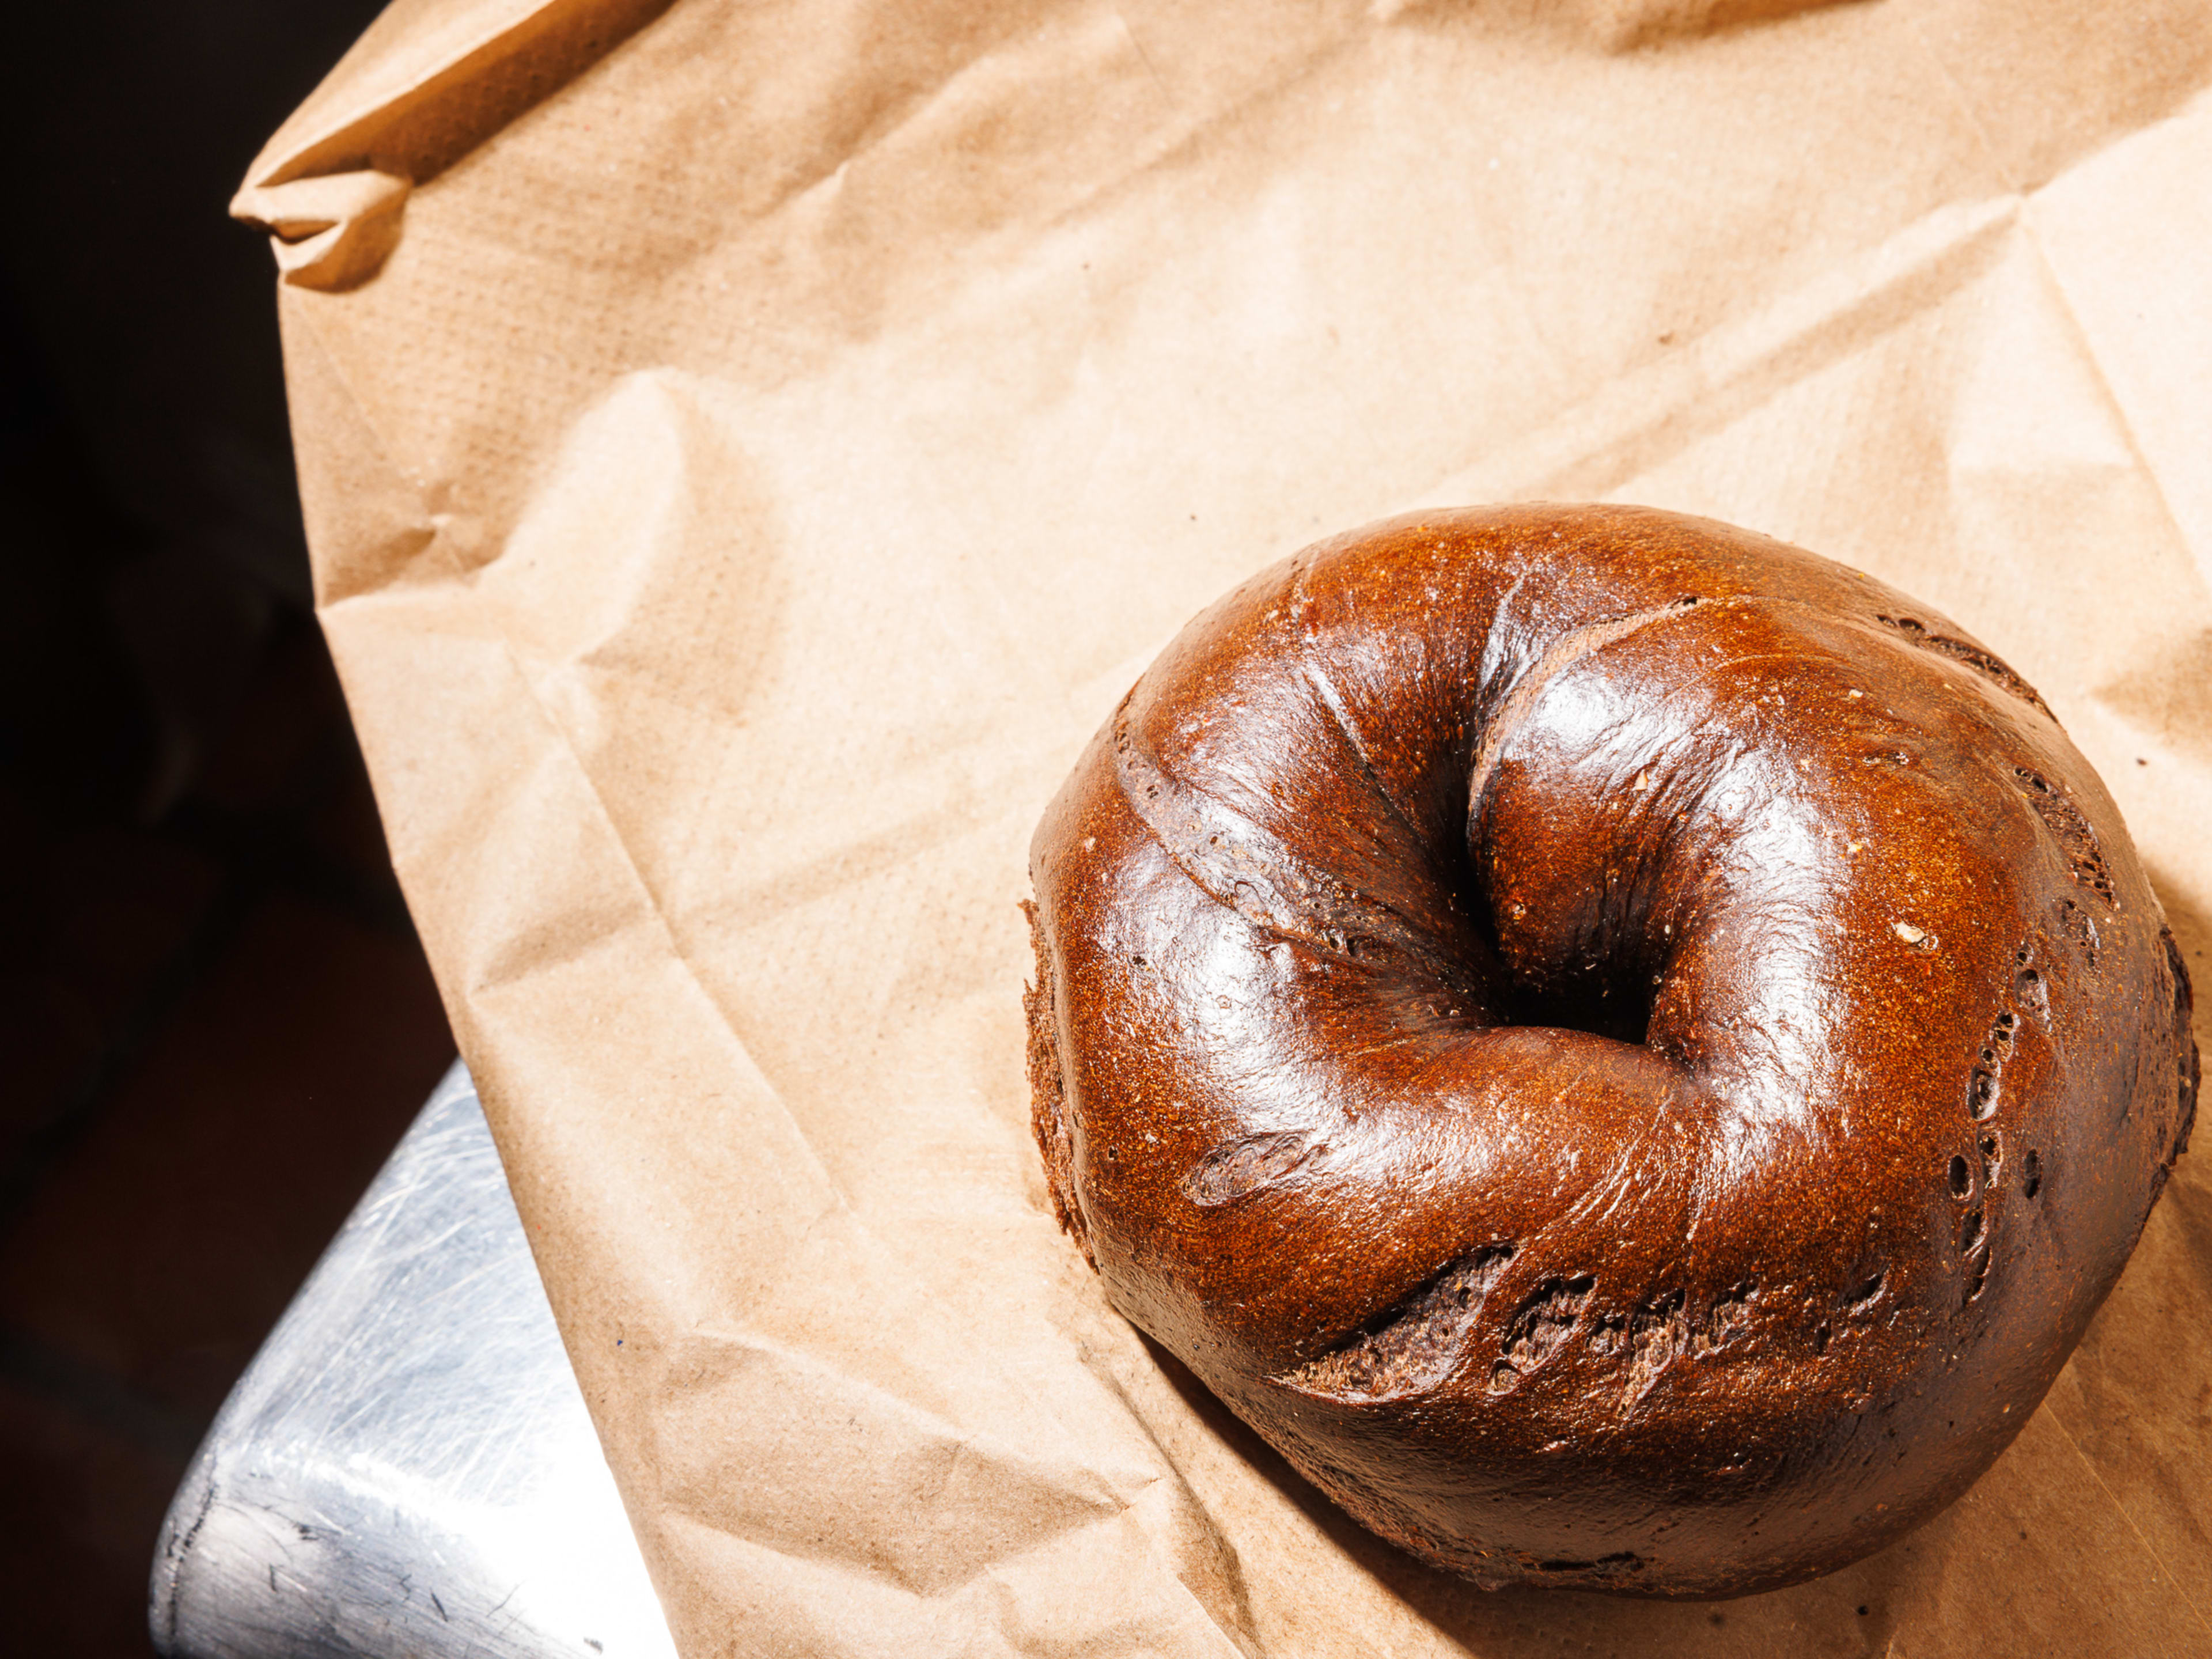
215	1018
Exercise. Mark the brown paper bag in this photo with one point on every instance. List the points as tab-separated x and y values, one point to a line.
747	451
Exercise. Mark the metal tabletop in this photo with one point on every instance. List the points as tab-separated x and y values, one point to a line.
407	1467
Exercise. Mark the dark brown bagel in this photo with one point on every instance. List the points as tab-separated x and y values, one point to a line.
1630	1053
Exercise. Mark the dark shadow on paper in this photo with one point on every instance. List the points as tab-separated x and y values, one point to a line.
1618	26
1853	1612
1627	25
2170	697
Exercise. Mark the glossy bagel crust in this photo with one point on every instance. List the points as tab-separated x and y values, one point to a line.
1629	1052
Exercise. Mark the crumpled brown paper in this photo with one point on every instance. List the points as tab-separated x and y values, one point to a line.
748	448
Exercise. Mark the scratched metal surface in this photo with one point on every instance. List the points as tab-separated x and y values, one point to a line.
407	1467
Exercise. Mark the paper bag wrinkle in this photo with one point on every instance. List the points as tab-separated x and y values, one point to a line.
561	944
1625	25
2040	447
892	88
562	766
1020	163
918	1466
1611	26
644	488
1205	1539
893	1529
837	1216
776	872
365	517
399	518
2031	397
2049	83
845	80
820	206
813	164
332	231
1704	384
1108	1600
529	946
364	166
2107	290
521	941
409	42
2142	1543
2106	395
796	887
2115	232
688	1432
2121	1422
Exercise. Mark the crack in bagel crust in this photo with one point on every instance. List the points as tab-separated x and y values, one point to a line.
1572	1026
1985	663
1415	1344
1231	1172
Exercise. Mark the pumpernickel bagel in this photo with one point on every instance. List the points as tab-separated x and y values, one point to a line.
1627	1051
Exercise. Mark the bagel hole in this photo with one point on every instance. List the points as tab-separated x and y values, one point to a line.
1608	993
2033	1183
1608	1003
1962	1178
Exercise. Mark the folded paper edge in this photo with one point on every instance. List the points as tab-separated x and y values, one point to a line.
379	124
